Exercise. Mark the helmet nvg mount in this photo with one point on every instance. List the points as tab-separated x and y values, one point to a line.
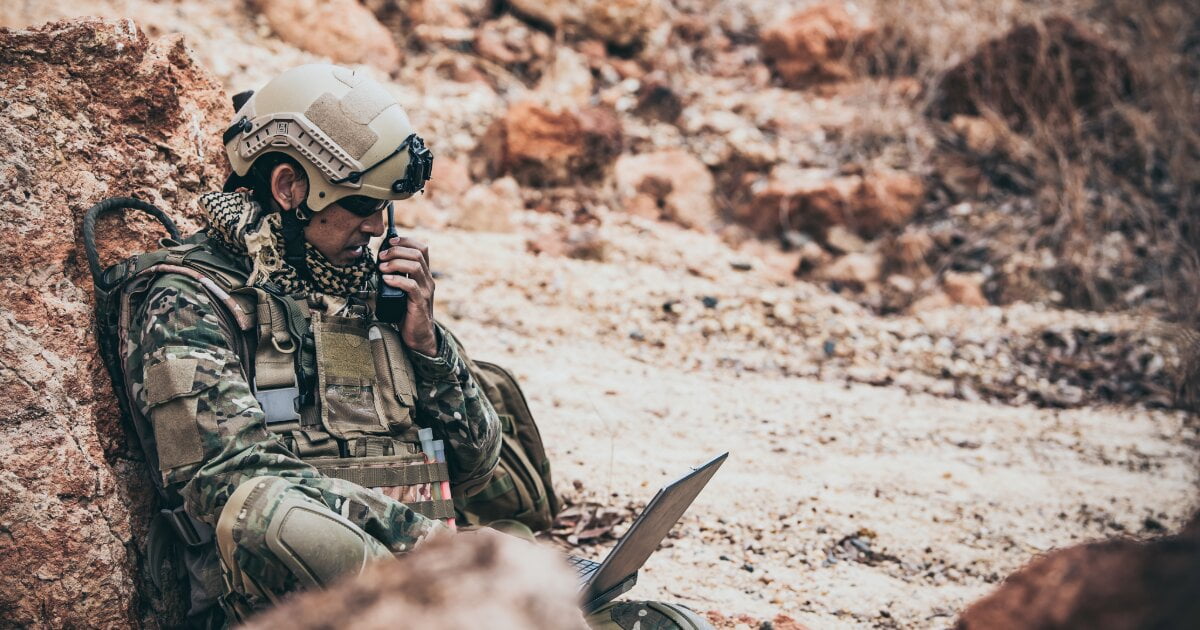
345	129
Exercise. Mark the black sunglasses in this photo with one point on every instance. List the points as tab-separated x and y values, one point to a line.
363	207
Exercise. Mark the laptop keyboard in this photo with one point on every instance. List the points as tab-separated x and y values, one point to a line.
583	567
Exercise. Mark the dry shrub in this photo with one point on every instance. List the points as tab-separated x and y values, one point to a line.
1075	138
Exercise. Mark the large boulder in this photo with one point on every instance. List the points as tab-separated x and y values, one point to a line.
343	30
456	583
540	144
88	109
815	45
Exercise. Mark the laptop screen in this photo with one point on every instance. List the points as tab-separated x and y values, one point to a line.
651	526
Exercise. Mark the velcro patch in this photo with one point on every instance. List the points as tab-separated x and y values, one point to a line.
169	379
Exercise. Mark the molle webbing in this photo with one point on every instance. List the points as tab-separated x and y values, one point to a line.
385	472
380	472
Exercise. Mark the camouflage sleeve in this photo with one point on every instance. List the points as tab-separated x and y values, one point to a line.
211	436
450	402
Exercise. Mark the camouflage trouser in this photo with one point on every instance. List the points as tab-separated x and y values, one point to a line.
273	539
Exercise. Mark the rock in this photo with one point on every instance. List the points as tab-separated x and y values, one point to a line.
622	23
964	288
568	80
509	582
814	200
886	199
934	301
510	42
488	207
980	135
812	257
543	145
843	241
657	100
680	185
583	243
1107	585
814	45
342	30
853	270
117	114
403	16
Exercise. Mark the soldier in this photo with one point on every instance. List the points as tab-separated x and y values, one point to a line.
294	438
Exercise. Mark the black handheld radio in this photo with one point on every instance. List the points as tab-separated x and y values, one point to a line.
391	303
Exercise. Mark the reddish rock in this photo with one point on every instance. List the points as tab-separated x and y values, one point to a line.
814	45
1108	585
813	201
542	145
509	583
680	185
92	109
343	30
964	288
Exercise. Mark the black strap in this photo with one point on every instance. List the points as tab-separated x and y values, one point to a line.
293	244
89	231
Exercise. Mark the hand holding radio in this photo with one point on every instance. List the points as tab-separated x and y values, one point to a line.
404	266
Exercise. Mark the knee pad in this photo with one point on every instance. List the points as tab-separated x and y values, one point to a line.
312	542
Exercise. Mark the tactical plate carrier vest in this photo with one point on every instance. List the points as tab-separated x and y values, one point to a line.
338	391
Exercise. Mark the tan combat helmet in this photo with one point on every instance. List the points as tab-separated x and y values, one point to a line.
345	129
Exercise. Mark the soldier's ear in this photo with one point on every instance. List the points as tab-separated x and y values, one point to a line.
289	186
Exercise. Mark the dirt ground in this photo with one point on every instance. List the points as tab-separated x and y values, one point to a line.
841	505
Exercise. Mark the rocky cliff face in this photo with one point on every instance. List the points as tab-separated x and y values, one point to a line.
88	110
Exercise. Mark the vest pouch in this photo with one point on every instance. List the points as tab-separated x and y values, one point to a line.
408	478
346	377
395	385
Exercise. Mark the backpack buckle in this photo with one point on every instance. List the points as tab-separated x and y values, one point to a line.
192	532
279	404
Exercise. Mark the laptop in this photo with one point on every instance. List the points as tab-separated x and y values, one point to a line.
601	582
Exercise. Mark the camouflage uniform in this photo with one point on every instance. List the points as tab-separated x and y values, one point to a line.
179	322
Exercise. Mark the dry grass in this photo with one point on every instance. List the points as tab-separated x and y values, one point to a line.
1092	113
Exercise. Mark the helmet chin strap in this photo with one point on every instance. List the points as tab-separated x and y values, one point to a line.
294	222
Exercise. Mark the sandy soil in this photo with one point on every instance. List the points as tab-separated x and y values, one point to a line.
840	505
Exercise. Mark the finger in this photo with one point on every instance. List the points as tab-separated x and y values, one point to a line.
404	253
403	282
400	265
420	246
